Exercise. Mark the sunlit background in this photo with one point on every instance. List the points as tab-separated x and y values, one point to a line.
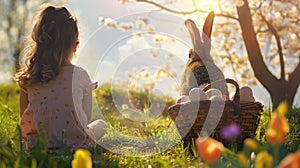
105	50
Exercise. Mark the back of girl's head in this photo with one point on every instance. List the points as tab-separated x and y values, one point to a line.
53	38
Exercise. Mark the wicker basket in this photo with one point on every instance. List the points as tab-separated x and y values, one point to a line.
190	117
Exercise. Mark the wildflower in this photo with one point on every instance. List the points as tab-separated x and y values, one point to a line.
291	160
124	106
252	156
243	160
251	144
282	108
231	131
209	149
82	159
263	160
277	130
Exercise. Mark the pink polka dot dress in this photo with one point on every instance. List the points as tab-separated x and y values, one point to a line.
61	108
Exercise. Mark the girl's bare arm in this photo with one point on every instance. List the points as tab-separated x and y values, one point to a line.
23	102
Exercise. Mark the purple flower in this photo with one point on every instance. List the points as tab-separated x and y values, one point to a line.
231	131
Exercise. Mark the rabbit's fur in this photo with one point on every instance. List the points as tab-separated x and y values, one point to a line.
200	68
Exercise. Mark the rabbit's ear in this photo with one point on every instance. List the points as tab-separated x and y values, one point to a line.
194	32
207	27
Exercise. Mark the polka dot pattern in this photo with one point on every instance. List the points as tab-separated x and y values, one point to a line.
62	109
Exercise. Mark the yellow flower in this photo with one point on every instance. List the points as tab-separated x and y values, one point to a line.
263	160
82	159
33	163
242	159
251	144
282	108
278	129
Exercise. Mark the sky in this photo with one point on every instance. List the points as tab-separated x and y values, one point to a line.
106	52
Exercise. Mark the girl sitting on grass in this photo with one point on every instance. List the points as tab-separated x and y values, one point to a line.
56	96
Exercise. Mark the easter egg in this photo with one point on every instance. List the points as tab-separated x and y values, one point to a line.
213	92
196	94
246	94
183	99
216	98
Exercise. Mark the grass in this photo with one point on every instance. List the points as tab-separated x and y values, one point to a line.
292	141
141	142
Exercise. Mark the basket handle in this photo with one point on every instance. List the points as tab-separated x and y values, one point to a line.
236	99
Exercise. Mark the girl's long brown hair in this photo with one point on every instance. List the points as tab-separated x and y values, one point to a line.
51	44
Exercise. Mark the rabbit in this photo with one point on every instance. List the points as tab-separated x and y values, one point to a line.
200	67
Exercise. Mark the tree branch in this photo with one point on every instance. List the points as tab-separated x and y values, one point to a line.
183	12
261	71
169	9
262	31
279	47
294	79
227	16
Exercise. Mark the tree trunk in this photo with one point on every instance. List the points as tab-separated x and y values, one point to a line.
283	92
279	89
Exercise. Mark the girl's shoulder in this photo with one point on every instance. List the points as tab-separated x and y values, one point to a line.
80	73
22	87
75	68
79	70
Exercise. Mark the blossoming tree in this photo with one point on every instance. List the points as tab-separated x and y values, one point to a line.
256	39
15	18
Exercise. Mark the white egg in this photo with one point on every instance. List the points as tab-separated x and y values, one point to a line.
246	94
183	99
196	94
246	90
213	92
216	98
